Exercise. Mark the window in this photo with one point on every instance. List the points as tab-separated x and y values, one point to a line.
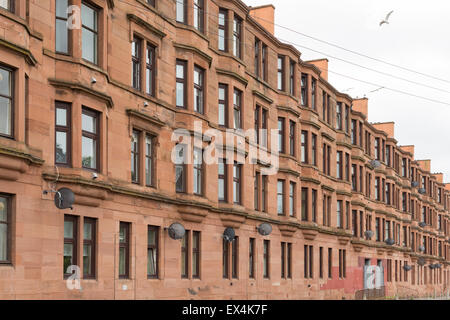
280	83
354	187
225	259
62	134
223	27
150	69
199	74
149	167
5	233
185	255
292	78
355	223
291	138
261	125
347	118
199	19
235	258
339	116
237	106
251	258
283	260
304	147
281	135
377	148
339	161
181	84
339	214
124	250
292	199
314	205
353	132
263	193
304	89
61	30
377	230
304	204
89	21
342	263
89	241
313	93
377	188
264	62
308	261
266	259
324	105
6	102
222	187
256	191
237	183
223	105
198	171
153	252
280	197
326	159
136	62
196	254
347	167
70	243
289	260
237	34
90	139
180	169
330	263
314	149
151	2
257	55
181	11
321	262
135	143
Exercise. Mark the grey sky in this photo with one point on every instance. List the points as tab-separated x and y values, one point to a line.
416	38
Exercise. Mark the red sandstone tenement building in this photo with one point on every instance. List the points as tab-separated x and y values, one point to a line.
92	108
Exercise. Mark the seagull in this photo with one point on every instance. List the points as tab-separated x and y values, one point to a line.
386	20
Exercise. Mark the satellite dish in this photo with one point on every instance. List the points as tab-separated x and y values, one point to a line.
390	242
375	163
407	267
229	234
264	229
176	231
422	191
421	261
369	234
422	224
421	248
64	198
414	184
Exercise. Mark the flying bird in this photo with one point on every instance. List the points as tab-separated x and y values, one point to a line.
386	20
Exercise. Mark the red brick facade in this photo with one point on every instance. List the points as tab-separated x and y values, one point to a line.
43	80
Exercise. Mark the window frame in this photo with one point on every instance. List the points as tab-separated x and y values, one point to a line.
223	27
9	229
12	100
136	63
93	243
237	181
67	129
95	32
126	245
93	136
224	87
266	259
237	108
155	247
185	242
196	254
182	81
73	241
199	88
304	89
199	6
237	36
182	3
136	156
150	69
65	19
281	73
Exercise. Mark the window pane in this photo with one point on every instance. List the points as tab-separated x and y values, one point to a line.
89	17
89	153
61	117
61	147
87	231
61	40
89	46
180	94
68	256
87	259
5	82
61	8
180	10
5	116
151	263
68	229
3	242
221	39
122	261
3	210
89	123
179	178
123	236
4	4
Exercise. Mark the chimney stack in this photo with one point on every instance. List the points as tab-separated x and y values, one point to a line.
265	16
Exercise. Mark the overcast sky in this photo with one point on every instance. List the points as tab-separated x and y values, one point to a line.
417	38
